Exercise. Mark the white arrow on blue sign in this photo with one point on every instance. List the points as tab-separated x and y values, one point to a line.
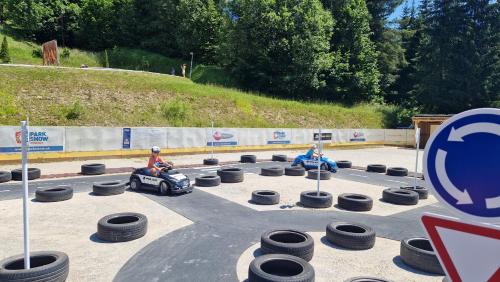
462	164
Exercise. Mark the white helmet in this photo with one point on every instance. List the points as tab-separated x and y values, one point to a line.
155	149
314	146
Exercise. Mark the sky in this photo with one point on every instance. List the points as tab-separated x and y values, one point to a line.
399	10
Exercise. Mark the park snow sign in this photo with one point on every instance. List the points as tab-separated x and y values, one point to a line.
462	164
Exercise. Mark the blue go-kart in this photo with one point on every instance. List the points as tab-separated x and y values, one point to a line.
310	163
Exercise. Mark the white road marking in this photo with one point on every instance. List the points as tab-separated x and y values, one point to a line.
4	191
205	168
390	180
358	175
249	172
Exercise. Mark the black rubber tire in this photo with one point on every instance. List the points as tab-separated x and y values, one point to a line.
418	253
311	200
279	158
211	161
351	236
400	196
271	171
135	184
93	169
397	171
122	227
366	279
33	173
287	242
376	168
108	188
344	164
248	159
280	268
231	175
5	176
323	175
355	202
56	194
295	171
265	197
207	181
423	193
50	266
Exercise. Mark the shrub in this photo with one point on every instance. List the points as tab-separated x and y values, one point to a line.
37	53
75	111
66	53
4	51
176	111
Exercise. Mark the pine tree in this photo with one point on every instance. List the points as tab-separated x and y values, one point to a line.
4	51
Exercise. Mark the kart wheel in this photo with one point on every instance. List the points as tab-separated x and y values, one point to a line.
135	184
418	253
324	167
164	188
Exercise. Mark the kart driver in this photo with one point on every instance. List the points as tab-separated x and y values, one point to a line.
155	163
312	153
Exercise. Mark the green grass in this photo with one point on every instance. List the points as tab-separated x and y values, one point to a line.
52	96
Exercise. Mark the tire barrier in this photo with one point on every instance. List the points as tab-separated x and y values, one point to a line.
45	266
33	173
397	171
5	176
248	159
272	171
323	174
93	169
231	175
211	161
295	171
355	202
400	196
288	242
207	181
418	253
56	194
376	168
344	164
108	188
265	197
423	193
352	236
122	227
279	158
280	268
311	199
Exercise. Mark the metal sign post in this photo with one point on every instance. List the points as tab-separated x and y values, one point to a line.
417	141
319	160
24	142
212	141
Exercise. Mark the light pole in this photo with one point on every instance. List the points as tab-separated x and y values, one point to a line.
191	68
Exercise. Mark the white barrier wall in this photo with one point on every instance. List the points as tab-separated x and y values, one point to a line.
74	139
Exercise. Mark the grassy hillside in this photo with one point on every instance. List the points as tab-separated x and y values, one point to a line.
52	96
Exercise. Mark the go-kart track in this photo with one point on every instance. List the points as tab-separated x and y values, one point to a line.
213	233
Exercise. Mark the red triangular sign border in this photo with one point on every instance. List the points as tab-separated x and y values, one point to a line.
430	223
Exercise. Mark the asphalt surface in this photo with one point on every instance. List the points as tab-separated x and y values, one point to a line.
208	250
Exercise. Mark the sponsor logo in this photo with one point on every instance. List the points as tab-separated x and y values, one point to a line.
279	135
221	135
324	136
35	137
358	136
18	137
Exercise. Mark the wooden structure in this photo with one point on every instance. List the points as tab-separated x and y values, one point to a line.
50	53
428	124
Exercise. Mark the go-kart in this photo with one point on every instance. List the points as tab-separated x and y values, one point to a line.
168	181
311	163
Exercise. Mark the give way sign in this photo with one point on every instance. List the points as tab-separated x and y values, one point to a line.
467	252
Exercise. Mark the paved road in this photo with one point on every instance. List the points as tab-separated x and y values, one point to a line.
208	249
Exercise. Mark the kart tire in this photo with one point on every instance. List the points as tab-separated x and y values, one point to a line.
295	171
376	168
311	200
50	266
231	175
287	242
248	159
122	227
344	164
93	169
207	181
366	279
5	176
355	202
33	173
211	161
56	194
351	236
423	193
271	171
280	268
400	196
279	158
108	188
265	197
135	184
323	175
418	253
397	171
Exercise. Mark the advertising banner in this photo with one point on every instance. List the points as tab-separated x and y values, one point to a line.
357	135
41	139
145	138
127	132
222	137
279	136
